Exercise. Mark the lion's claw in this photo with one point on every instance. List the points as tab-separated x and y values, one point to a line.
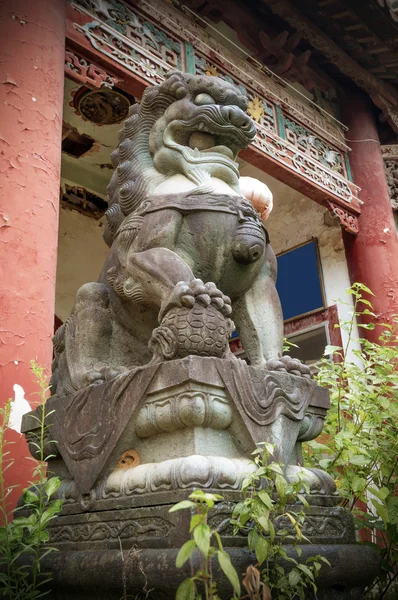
294	366
186	294
103	374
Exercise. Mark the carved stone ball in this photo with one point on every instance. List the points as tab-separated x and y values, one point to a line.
199	330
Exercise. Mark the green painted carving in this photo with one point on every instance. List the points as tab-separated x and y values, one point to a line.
189	58
348	167
281	123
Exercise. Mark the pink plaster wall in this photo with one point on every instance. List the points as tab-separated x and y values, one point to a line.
32	42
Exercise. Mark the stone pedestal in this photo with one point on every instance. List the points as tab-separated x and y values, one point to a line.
90	565
131	448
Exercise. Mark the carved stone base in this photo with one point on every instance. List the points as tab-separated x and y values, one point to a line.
152	526
129	449
187	422
89	563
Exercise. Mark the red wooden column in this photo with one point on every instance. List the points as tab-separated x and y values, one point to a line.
32	49
372	255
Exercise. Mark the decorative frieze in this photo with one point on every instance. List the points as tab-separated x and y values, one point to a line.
390	155
154	38
123	51
314	146
81	70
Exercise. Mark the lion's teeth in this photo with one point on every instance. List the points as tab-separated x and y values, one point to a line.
201	125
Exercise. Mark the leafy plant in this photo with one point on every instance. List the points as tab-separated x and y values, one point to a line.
359	445
274	530
23	539
202	581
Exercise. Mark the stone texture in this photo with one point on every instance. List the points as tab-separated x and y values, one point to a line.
188	249
191	421
150	403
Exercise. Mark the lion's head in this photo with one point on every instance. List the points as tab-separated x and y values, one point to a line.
184	134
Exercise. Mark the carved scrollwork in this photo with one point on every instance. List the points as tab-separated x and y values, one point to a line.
390	155
79	69
348	221
180	473
318	525
141	527
129	37
186	409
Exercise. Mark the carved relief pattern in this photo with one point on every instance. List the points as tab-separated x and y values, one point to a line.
303	164
347	221
392	181
134	43
390	155
138	29
313	146
142	527
123	52
178	473
334	525
132	40
186	409
79	69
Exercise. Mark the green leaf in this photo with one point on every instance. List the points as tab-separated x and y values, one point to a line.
227	567
265	499
261	549
381	510
51	511
205	497
281	486
51	486
202	534
30	497
186	590
181	505
269	448
294	577
306	570
246	483
252	539
331	350
392	505
359	460
264	522
185	553
195	520
275	468
303	500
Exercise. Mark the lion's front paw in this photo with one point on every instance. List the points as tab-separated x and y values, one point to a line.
103	374
289	364
186	294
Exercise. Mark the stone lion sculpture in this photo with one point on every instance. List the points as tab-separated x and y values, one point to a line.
188	248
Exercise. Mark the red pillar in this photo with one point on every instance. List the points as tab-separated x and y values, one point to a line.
372	255
32	49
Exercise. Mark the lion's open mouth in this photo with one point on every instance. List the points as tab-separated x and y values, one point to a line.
206	140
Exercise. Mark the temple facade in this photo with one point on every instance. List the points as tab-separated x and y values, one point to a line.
321	81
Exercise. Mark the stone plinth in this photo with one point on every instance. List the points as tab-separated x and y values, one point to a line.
131	448
181	424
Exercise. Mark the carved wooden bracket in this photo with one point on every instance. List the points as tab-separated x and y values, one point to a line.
81	70
348	221
285	62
